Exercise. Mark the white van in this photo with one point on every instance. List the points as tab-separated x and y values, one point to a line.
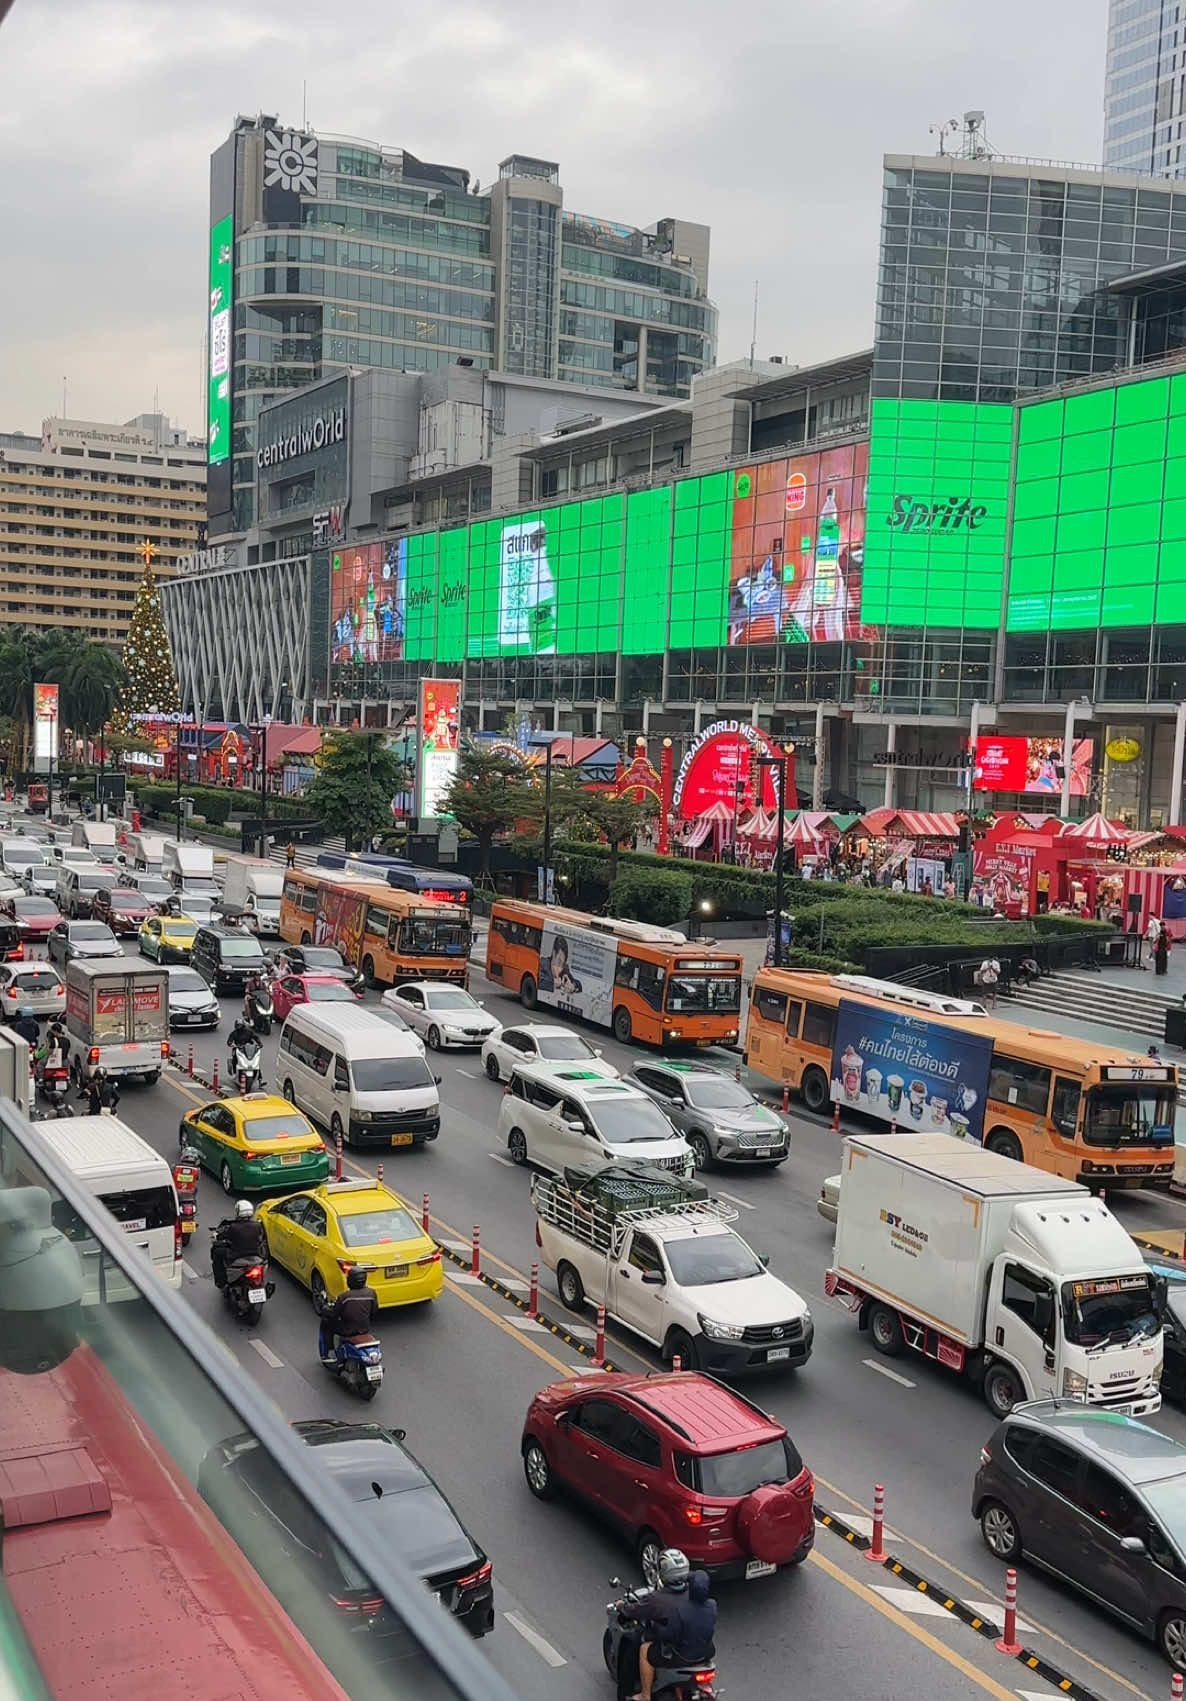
136	1185
359	1077
552	1117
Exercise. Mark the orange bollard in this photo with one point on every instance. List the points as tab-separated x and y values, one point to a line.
337	1157
214	1086
836	1117
876	1549
599	1347
425	1217
677	1362
533	1301
786	1098
379	1175
476	1256
1008	1643
189	1068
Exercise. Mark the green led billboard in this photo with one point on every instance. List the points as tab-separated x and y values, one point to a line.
1099	509
218	407
938	495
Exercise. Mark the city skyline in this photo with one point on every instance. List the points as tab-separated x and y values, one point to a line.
114	118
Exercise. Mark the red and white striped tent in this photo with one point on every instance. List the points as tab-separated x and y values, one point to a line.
760	825
1097	830
911	824
720	814
801	834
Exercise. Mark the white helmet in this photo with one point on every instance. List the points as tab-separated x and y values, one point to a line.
673	1568
244	1209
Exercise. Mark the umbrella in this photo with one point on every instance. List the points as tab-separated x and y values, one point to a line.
1097	830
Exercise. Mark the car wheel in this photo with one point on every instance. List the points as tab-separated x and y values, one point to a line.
607	1654
998	1526
433	1037
517	1146
336	1131
1002	1390
1171	1637
538	1471
885	1330
1006	1145
572	1289
623	1027
288	1092
226	1178
493	1072
680	1345
528	992
317	1288
648	1549
814	1088
701	1154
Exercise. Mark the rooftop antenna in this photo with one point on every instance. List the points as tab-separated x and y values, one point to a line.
948	127
975	142
754	336
63	396
304	104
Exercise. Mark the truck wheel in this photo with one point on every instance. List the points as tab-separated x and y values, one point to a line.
885	1330
1002	1390
1005	1145
572	1289
151	1077
680	1345
623	1027
528	992
814	1088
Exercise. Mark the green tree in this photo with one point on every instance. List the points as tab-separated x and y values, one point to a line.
661	897
150	685
91	683
358	774
490	794
585	813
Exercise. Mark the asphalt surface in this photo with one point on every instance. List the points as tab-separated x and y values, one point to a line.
460	1377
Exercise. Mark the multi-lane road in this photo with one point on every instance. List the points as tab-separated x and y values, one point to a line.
459	1380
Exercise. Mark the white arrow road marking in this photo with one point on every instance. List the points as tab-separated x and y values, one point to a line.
266	1353
912	1600
884	1370
534	1640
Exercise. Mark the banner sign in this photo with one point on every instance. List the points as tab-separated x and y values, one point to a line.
898	1067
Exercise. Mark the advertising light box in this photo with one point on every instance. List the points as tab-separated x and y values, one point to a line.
367	602
218	407
1033	765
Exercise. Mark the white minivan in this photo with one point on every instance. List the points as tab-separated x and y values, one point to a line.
134	1182
552	1117
358	1076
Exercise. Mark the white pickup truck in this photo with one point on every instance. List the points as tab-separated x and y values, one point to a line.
675	1274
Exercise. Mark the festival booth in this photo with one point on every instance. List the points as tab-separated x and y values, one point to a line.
914	843
1161	892
729	774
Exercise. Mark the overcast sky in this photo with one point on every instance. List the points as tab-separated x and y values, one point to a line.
767	122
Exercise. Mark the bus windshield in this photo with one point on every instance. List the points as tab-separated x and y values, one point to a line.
689	994
422	937
1129	1113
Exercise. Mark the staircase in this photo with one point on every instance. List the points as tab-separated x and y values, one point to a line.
306	855
1090	998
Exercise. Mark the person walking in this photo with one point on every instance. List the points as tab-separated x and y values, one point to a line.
1152	933
1161	951
290	855
987	976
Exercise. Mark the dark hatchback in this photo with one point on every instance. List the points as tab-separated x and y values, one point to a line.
322	960
410	1515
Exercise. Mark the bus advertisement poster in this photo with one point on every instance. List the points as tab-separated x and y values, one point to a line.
898	1067
576	973
340	917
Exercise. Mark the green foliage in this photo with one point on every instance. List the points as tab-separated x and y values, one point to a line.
87	674
357	775
824	965
1068	926
490	794
657	896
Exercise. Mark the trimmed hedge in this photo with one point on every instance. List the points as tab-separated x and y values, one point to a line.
215	803
652	895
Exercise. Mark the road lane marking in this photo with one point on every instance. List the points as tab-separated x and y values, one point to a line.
504	1324
520	1322
499	1159
734	1199
465	1276
534	1640
189	1270
909	1600
884	1370
948	1655
266	1353
994	1612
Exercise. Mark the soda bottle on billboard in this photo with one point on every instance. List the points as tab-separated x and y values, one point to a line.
827	554
527	590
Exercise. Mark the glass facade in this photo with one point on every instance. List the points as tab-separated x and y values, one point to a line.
1143	88
529	287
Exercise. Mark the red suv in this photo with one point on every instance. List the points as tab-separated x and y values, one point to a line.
677	1461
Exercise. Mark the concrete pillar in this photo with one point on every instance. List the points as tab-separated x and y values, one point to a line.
646	717
597	717
891	776
1068	741
754	712
556	716
697	711
817	784
1175	809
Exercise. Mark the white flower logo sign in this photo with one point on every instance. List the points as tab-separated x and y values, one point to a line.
291	161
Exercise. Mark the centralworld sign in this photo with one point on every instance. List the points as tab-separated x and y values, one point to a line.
327	428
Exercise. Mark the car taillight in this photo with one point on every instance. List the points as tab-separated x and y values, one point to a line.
433	1257
178	1239
15	955
345	1265
250	1157
92	1055
806	1489
370	1606
705	1514
11	991
475	1578
256	1273
705	1676
164	1048
506	1089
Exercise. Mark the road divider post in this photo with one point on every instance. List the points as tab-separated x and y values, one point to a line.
425	1217
1008	1643
379	1175
476	1259
836	1117
189	1067
214	1086
876	1549
337	1157
533	1301
599	1348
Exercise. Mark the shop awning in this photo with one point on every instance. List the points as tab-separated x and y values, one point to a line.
911	824
1098	830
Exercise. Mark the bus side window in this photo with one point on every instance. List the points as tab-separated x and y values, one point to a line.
650	984
626	972
1065	1110
771	1006
819	1025
794	1015
499	928
376	922
1013	1081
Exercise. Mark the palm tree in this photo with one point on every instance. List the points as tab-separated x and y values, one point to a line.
17	675
90	685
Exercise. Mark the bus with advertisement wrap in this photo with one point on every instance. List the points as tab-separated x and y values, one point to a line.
919	1062
646	983
390	935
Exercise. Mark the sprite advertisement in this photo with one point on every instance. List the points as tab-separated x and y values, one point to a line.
218	406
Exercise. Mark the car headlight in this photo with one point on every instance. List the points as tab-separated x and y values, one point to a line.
807	1319
1074	1385
363	1115
721	1331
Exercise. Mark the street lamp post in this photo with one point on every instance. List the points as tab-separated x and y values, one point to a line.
263	788
779	763
180	817
545	741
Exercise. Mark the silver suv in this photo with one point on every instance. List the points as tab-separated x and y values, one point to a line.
1097	1499
721	1121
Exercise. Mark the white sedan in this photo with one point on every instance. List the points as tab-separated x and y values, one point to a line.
446	1015
541	1044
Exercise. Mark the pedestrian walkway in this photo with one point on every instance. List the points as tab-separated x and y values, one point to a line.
306	855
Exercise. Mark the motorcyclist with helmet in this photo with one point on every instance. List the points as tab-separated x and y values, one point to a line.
26	1026
238	1237
681	1615
352	1315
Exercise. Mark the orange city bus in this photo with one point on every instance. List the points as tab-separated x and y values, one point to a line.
647	983
388	934
925	1063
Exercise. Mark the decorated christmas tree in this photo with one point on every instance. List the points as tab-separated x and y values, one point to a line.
151	682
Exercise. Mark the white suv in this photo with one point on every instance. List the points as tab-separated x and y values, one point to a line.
552	1117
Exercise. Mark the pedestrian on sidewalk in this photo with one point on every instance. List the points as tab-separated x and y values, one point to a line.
1152	932
290	855
987	976
1161	952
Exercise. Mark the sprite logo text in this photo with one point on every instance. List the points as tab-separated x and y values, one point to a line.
951	515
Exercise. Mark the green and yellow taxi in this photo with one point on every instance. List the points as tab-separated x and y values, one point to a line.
167	938
321	1233
256	1141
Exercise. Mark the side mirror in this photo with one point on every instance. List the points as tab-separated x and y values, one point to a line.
764	1260
400	1434
437	1080
1044	1314
563	1420
653	1279
1132	1544
571	1122
597	1053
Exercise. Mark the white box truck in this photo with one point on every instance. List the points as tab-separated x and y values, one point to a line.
188	865
117	1015
97	836
253	887
16	1082
1019	1279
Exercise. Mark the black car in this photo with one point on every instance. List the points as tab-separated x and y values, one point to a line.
321	960
1169	1296
191	1002
226	957
410	1515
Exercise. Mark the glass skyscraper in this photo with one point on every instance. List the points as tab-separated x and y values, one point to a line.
1143	88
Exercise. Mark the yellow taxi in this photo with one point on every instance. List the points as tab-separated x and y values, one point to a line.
258	1140
318	1235
167	938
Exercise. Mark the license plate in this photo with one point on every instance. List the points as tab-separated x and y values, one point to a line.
291	1157
759	1568
762	1152
375	1374
394	1270
257	1296
134	1225
775	1353
401	1139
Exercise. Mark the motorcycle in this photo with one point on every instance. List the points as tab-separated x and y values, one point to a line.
247	1288
245	1064
185	1180
619	1649
258	1009
358	1364
53	1083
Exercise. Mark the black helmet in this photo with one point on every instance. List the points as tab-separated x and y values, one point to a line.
356	1276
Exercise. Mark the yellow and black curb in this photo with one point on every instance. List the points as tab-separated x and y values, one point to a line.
985	1627
520	1304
